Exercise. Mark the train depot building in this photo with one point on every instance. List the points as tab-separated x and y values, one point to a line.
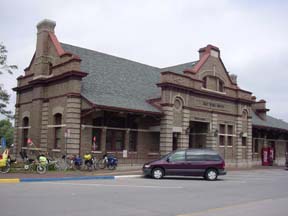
73	100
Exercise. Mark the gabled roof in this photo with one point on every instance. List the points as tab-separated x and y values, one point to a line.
270	122
121	83
117	82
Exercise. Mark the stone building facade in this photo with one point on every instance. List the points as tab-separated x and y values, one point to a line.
73	100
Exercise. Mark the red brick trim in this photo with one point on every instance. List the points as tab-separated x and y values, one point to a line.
77	59
207	94
45	81
153	102
72	94
167	105
198	65
58	47
127	110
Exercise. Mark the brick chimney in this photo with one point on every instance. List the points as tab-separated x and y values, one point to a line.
44	28
260	109
211	50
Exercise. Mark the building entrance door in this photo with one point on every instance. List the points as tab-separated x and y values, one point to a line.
198	134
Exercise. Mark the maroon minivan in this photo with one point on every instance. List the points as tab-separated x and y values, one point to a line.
190	162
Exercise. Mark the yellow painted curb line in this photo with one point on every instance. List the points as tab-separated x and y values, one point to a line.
9	180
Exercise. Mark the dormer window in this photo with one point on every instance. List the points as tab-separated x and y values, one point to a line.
213	83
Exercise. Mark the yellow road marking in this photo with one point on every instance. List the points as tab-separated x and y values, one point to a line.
10	180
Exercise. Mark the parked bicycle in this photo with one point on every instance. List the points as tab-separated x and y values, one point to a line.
109	161
90	162
6	161
40	165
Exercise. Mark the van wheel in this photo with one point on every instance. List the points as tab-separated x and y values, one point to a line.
157	173
211	175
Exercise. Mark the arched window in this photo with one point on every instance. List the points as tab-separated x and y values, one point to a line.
25	131
57	130
178	104
213	83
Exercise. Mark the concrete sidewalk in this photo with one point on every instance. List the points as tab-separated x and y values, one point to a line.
123	170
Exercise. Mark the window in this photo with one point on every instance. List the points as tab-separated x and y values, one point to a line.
57	131
25	132
256	146
133	141
115	140
177	156
96	139
230	135
222	129
230	141
244	141
212	157
192	156
230	129
213	83
178	104
222	140
154	144
205	82
220	86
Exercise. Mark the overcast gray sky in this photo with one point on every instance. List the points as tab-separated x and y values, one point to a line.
252	36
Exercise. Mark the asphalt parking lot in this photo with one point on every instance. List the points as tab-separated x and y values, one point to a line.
254	192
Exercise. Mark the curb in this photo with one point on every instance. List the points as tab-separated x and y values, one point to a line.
20	180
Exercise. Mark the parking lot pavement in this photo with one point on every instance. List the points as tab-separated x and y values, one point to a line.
236	193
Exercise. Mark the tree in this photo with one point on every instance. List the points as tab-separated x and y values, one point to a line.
4	68
6	130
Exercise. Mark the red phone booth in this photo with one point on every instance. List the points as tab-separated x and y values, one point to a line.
265	156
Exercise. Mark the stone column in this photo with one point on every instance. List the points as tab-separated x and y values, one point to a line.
184	136
103	140
238	142
249	142
126	143
44	127
166	131
73	119
17	142
212	136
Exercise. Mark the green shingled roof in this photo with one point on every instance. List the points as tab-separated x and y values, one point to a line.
118	82
269	122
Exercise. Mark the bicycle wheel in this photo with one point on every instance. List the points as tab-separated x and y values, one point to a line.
5	169
101	163
41	169
61	165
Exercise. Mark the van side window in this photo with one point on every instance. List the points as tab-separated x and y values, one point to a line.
177	156
212	157
191	156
